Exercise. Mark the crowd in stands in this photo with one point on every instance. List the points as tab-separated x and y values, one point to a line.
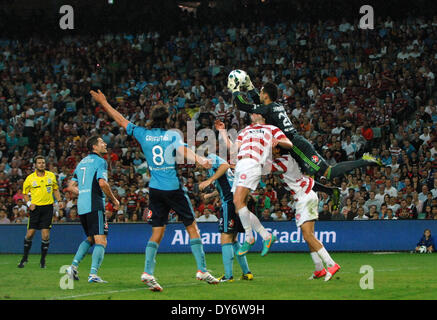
347	90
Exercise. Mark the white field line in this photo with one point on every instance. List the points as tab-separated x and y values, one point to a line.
196	284
130	290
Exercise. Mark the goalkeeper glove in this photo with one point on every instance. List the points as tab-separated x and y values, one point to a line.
234	84
248	84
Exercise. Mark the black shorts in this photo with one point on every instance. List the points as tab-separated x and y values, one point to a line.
162	201
94	223
309	160
41	217
229	221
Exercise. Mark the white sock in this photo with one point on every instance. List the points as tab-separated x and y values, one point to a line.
317	261
244	215
326	257
258	227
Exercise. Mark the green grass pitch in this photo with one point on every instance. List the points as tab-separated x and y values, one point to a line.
278	276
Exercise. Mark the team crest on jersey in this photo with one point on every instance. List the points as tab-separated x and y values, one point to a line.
298	216
35	184
315	159
243	177
231	223
149	214
49	181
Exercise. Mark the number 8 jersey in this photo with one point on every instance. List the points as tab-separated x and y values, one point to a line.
159	147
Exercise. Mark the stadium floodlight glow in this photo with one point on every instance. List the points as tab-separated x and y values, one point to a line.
110	1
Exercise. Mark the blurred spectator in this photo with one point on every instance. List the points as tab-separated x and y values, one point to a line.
72	215
3	217
361	215
325	214
266	216
207	216
390	215
278	215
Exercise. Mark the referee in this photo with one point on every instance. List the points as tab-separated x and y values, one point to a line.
42	185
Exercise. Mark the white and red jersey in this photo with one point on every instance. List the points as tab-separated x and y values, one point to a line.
291	176
256	141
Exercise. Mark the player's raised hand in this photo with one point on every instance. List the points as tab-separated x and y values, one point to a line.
98	96
233	84
219	125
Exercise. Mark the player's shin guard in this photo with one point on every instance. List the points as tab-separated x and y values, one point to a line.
244	215
198	253
242	261
81	252
151	250
258	227
228	258
97	258
44	249
27	247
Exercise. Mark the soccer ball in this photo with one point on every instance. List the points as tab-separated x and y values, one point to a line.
236	78
422	249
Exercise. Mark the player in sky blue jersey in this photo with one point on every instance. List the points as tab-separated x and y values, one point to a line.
90	183
160	146
220	173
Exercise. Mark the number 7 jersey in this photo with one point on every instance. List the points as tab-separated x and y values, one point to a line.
159	147
87	174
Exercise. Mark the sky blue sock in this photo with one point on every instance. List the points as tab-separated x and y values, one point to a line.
151	250
228	258
199	254
242	261
97	259
81	252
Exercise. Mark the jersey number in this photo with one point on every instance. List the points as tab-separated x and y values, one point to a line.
83	177
286	122
158	155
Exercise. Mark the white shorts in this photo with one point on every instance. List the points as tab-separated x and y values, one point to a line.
247	174
306	207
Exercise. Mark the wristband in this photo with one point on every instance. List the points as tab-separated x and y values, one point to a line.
29	204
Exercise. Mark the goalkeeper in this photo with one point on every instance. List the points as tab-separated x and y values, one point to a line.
307	157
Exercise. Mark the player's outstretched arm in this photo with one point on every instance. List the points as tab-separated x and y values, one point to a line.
244	105
190	155
104	185
221	170
99	97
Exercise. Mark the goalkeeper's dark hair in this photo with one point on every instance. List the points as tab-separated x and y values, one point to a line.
158	117
271	89
92	141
